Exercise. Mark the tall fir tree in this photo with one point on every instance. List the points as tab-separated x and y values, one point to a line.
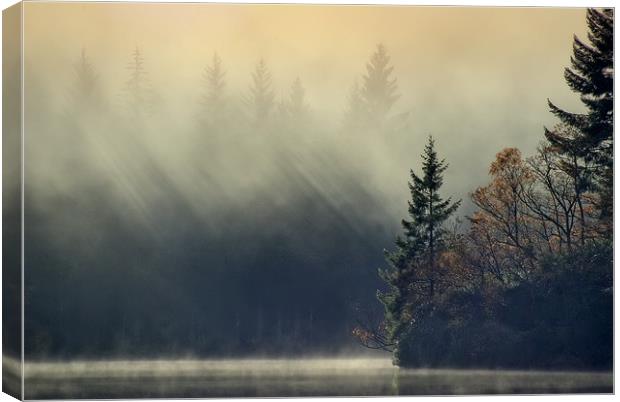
297	107
261	98
85	94
138	91
213	99
356	112
379	90
592	76
412	275
294	109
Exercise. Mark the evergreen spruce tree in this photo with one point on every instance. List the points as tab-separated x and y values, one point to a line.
213	98
261	99
140	99
412	276
592	76
297	107
379	90
294	108
85	93
356	114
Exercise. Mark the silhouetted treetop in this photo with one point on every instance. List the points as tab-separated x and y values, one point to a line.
592	76
356	111
414	273
215	84
85	93
295	106
261	98
213	98
139	93
379	90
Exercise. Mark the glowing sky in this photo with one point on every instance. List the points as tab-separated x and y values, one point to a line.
476	78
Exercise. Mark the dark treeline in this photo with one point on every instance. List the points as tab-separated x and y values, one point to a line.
529	282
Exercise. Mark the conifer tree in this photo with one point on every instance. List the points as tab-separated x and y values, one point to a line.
592	76
356	112
295	108
412	275
86	92
213	98
379	90
140	99
261	99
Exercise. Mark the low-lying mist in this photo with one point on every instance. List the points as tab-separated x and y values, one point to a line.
286	377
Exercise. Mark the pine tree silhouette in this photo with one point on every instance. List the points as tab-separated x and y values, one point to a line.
261	99
592	76
379	91
412	273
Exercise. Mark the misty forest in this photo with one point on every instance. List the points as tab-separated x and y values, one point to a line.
262	225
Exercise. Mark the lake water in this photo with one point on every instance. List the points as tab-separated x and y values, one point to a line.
285	377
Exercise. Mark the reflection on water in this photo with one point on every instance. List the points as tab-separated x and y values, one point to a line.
285	377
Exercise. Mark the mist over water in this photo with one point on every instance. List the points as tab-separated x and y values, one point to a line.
159	225
286	377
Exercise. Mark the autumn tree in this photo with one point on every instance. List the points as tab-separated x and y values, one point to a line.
578	169
531	208
502	222
500	231
558	197
591	76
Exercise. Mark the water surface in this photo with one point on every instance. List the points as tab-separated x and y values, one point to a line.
286	377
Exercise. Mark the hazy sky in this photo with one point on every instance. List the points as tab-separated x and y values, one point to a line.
476	78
